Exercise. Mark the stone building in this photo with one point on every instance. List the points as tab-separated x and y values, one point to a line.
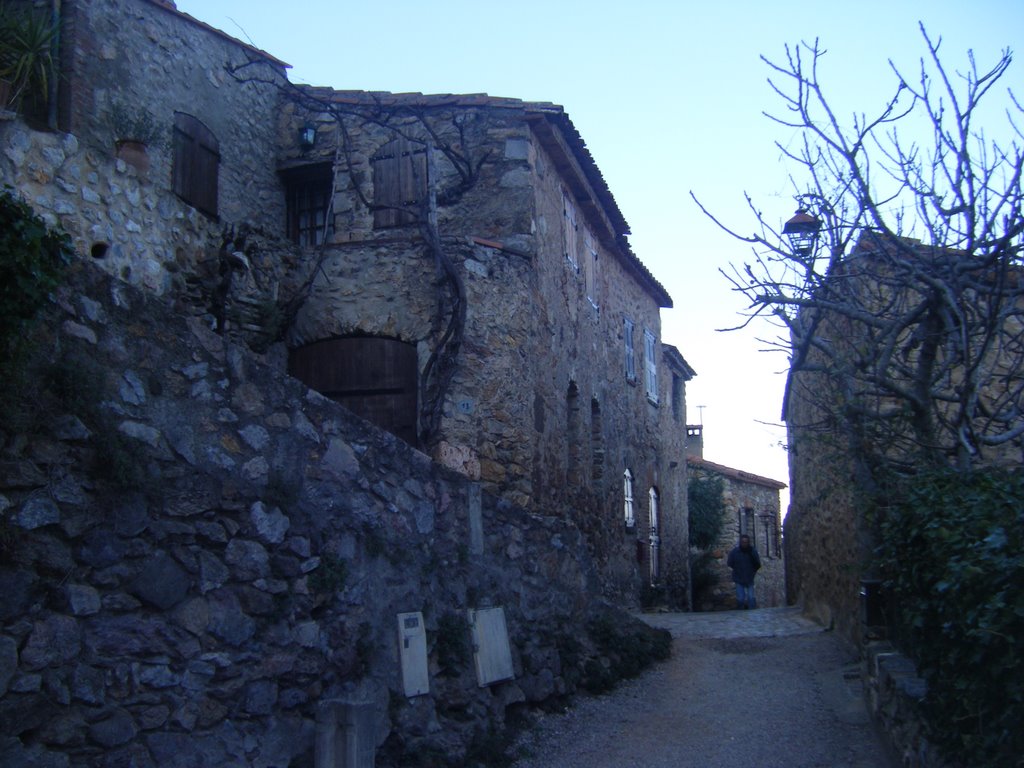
453	268
750	507
475	238
830	545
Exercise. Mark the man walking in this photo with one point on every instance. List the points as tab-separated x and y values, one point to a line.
744	562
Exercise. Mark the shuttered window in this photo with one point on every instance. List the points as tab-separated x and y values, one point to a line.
655	538
196	163
570	241
590	267
373	377
399	182
627	499
627	331
651	365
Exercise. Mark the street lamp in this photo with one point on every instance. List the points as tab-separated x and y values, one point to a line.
802	231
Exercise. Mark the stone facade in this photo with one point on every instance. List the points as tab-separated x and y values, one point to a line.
536	402
209	554
827	550
540	408
750	506
201	556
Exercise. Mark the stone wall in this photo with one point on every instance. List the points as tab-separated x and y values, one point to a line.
126	215
131	226
199	554
827	551
895	694
146	55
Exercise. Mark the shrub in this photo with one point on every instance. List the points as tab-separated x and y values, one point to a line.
32	258
706	520
628	646
953	554
706	510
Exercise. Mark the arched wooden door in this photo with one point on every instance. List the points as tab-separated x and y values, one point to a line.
375	378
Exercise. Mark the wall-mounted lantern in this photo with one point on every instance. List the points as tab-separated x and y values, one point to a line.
802	231
307	136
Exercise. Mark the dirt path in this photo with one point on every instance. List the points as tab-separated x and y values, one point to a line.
738	699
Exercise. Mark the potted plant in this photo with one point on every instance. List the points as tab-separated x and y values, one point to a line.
134	129
27	39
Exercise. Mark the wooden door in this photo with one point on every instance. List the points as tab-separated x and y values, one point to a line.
376	378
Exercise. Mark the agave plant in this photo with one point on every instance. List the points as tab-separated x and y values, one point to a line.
26	53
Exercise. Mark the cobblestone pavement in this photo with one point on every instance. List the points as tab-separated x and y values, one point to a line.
766	688
723	625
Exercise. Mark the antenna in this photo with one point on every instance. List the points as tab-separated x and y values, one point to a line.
700	410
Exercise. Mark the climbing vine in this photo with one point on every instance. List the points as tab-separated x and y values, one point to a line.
442	132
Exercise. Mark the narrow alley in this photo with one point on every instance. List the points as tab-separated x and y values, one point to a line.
743	689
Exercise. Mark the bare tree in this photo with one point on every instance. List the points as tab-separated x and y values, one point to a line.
903	304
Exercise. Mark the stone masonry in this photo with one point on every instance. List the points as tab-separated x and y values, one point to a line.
200	554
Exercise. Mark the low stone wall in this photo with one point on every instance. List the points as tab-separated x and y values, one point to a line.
894	695
198	555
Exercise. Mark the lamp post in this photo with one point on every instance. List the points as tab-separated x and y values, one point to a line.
802	230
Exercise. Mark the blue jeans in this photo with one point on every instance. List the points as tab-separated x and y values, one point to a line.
745	596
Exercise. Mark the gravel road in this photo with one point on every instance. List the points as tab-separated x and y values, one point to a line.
721	702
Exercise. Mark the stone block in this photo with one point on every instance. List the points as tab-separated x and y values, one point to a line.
162	582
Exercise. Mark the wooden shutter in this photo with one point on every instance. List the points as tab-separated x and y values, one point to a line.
373	377
630	353
196	163
399	182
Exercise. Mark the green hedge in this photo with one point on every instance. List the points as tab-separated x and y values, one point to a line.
953	555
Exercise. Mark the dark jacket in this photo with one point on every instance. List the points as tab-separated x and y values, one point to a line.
744	563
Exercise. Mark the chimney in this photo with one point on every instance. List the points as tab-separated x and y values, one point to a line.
695	440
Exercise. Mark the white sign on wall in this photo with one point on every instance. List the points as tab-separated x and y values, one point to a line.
412	648
491	650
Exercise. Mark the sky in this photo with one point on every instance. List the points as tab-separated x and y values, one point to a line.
669	96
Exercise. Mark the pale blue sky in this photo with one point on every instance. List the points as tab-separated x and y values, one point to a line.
669	98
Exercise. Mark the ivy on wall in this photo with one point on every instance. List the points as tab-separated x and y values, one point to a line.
953	554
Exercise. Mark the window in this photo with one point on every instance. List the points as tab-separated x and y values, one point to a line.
630	353
655	538
399	182
569	242
308	197
677	397
651	365
196	163
590	267
627	498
